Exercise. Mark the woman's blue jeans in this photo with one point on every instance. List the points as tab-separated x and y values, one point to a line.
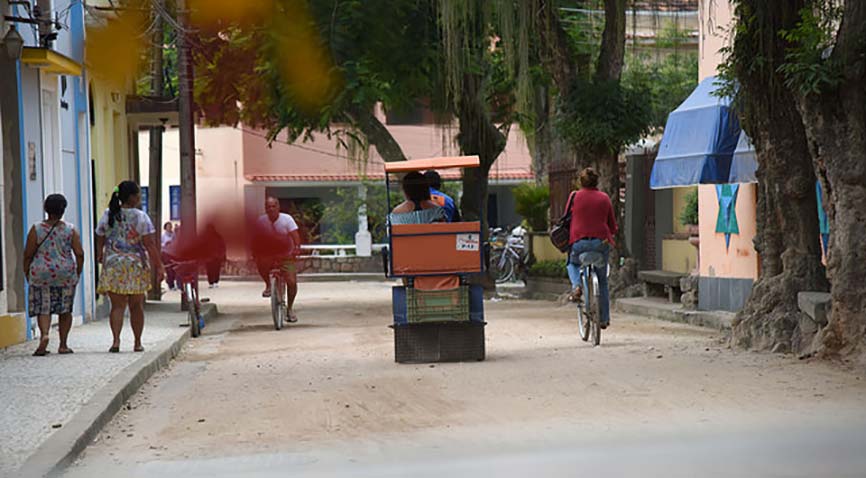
573	267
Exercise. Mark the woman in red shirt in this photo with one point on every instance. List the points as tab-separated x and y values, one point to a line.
593	227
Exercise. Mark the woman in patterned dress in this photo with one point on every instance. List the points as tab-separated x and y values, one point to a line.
53	260
126	247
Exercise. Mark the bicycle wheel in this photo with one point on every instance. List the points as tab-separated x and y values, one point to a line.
502	266
277	310
596	312
584	311
192	310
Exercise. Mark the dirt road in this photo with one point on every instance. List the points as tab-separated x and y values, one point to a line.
325	394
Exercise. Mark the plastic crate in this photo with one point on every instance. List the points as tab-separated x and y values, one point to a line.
439	342
437	305
476	304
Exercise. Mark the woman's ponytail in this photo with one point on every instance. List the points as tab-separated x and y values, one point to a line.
120	195
114	208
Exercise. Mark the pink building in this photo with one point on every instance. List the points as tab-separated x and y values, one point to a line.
236	169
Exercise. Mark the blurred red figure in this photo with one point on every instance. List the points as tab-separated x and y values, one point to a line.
216	255
276	243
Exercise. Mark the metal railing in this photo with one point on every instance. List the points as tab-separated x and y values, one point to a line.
338	250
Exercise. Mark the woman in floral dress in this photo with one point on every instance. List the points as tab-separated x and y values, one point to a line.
53	259
127	248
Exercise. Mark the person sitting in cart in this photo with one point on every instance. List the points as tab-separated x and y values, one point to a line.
418	208
441	199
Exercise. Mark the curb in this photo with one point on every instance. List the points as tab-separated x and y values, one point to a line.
717	320
64	446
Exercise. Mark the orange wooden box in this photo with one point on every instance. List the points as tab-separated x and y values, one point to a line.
437	248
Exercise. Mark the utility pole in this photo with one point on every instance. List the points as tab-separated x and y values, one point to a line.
186	125
154	198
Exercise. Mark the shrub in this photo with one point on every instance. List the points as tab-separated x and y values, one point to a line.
689	214
555	269
533	202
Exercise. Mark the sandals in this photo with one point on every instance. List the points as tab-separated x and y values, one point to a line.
115	350
65	351
292	317
42	350
576	295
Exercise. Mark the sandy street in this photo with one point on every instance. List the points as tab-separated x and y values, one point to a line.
325	397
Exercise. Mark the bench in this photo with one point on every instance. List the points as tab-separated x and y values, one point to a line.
661	284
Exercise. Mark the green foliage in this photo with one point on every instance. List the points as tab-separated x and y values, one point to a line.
668	82
169	66
604	115
340	214
533	203
689	214
808	67
381	52
554	269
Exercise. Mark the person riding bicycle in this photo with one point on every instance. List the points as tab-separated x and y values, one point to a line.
276	246
593	228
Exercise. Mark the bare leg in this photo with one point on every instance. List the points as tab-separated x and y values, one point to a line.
118	307
44	322
292	286
65	325
136	318
264	267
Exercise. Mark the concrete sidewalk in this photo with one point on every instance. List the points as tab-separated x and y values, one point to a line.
55	405
659	308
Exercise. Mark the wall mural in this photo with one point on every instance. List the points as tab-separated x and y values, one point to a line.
726	223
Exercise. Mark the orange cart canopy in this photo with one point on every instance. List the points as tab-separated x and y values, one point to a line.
447	162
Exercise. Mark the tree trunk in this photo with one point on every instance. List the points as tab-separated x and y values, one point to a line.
788	237
377	134
477	136
612	54
835	122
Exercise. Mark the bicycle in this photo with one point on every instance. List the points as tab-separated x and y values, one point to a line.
506	255
588	312
278	297
279	305
187	273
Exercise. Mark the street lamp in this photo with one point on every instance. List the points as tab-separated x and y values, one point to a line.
13	44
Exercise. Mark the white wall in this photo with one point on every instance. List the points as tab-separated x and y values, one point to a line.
219	172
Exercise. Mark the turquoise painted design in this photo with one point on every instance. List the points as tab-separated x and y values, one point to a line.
823	222
726	223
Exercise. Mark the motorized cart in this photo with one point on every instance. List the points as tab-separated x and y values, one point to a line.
438	312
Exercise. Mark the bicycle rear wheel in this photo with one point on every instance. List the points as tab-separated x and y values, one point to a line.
596	312
583	318
277	309
502	266
192	310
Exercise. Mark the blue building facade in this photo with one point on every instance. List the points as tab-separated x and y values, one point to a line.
45	145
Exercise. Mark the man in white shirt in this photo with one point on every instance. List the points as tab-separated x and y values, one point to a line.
277	244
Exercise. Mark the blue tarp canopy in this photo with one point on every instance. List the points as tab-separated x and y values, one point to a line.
744	164
699	143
